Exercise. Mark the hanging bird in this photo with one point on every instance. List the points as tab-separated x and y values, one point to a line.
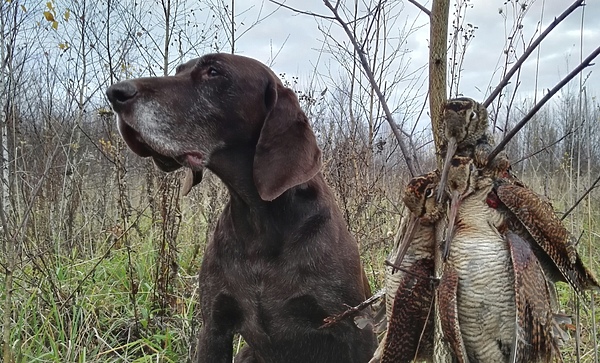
535	337
425	211
409	333
460	184
465	126
533	218
495	296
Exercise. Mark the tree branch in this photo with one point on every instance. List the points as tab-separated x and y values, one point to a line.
581	198
421	7
586	63
545	147
530	50
352	310
410	272
369	73
302	12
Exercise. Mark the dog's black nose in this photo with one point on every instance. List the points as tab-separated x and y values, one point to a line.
120	94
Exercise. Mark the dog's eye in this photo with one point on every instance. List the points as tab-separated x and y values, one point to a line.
212	71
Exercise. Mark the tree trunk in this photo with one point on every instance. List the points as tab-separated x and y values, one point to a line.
437	97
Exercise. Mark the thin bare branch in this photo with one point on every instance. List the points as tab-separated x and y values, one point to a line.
301	11
409	271
421	7
546	147
530	50
352	310
106	254
369	73
592	187
586	63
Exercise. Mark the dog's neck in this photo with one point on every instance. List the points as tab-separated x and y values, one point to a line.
234	167
249	215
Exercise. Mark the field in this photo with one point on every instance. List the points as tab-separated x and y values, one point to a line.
126	289
99	254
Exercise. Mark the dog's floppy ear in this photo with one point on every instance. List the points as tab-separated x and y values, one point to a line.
287	153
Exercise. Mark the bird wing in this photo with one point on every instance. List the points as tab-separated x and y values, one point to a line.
410	329
538	217
534	337
447	297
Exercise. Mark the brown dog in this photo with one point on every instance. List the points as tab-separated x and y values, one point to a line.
281	258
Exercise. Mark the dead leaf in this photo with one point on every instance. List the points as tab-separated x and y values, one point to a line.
49	16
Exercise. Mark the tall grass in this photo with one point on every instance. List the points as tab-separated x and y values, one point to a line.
78	307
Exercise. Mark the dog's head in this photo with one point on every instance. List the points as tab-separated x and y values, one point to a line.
216	102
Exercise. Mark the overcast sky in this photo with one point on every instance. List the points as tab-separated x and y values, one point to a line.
296	39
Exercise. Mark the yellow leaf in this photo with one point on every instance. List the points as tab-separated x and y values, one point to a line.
49	16
23	8
55	25
49	5
62	45
67	15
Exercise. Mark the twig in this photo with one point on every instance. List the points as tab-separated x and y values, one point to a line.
369	73
586	63
431	308
352	310
320	16
301	11
111	350
581	198
109	250
421	7
546	147
530	50
407	271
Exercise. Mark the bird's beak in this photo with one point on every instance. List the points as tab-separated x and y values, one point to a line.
452	145
455	201
406	239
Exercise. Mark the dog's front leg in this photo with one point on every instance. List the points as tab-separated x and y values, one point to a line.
214	345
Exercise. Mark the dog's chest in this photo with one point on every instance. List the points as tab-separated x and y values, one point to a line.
279	284
275	292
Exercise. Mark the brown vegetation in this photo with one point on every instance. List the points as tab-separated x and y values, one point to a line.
99	254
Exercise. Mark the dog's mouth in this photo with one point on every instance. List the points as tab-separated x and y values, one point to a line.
165	162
